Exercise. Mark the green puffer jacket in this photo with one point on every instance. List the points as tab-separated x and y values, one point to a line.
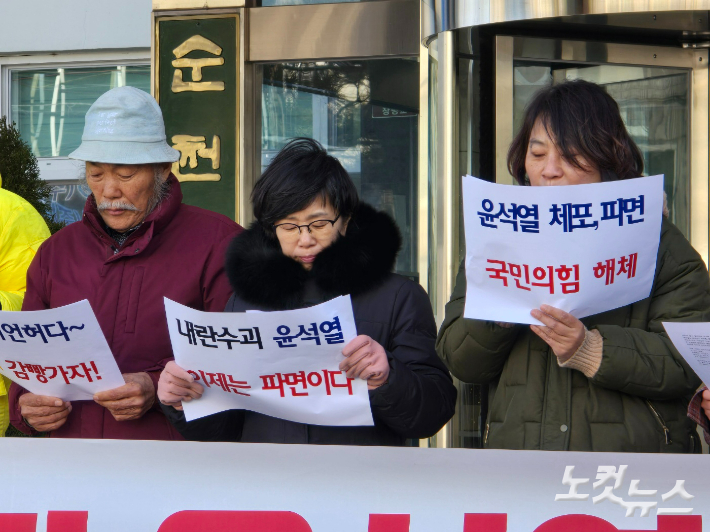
636	401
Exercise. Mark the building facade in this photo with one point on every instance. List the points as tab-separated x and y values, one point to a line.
49	76
409	95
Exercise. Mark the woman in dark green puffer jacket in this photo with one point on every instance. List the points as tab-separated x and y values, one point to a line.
612	381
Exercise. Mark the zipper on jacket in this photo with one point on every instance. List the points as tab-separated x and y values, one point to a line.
485	436
666	432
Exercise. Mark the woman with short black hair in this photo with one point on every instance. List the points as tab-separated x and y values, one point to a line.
587	127
301	172
314	241
609	382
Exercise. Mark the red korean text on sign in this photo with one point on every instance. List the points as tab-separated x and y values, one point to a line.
526	277
299	382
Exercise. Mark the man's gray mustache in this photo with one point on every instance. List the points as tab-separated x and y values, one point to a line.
116	205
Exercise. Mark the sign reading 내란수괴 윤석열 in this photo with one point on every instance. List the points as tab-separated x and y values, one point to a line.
283	364
584	249
60	485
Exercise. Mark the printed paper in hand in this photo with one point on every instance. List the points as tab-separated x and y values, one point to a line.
584	249
282	364
692	340
59	352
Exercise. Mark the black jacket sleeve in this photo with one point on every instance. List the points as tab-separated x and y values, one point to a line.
419	396
222	426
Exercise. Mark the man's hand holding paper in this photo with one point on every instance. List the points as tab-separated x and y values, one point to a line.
44	413
131	400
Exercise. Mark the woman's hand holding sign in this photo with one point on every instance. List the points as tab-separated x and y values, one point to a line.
177	385
561	331
367	359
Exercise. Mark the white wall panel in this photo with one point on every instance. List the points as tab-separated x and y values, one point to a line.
61	25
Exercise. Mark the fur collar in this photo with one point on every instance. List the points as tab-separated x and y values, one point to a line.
262	275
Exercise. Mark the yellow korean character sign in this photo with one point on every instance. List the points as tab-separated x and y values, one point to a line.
196	84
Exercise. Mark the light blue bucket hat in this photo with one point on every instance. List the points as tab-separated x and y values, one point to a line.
125	126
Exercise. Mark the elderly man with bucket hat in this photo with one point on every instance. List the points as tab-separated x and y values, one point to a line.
137	242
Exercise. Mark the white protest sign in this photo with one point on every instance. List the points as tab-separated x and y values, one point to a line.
73	485
282	364
584	249
60	352
692	340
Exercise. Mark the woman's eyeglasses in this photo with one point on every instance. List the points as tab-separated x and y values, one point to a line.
316	228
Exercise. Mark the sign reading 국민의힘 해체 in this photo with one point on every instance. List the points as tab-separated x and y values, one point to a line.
283	364
60	352
584	249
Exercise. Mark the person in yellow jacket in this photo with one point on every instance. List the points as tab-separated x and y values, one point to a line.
22	230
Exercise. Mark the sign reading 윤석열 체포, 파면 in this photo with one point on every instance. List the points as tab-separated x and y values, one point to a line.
583	249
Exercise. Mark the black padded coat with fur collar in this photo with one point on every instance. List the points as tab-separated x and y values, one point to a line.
418	398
